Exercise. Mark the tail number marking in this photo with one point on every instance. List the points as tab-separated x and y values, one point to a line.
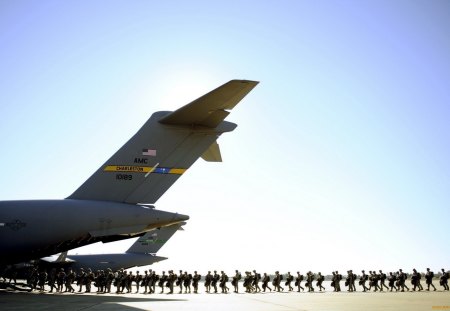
124	177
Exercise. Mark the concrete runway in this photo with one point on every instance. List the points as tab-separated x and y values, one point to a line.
282	301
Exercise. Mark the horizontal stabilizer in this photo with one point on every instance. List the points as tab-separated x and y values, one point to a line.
213	153
152	241
210	109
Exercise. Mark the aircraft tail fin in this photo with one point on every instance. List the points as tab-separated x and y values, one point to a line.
152	241
164	148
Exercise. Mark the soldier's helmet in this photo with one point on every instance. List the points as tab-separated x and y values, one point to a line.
363	271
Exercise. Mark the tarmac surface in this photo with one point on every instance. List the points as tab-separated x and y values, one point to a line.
282	301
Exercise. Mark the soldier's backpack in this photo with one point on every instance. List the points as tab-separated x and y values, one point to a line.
239	277
281	277
226	278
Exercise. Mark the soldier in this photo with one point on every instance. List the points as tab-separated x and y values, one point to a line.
70	278
429	279
171	281
187	279
382	277
123	281
99	281
12	272
373	278
256	278
415	280
52	280
32	277
180	281
129	281
363	280
289	279
352	281
298	282
195	279
42	280
223	282
119	281
208	280
80	278
109	280
348	282
277	282
309	281
444	279
153	279
235	282
89	277
162	281
402	280
265	282
248	280
320	279
137	280
338	281
391	279
214	281
145	280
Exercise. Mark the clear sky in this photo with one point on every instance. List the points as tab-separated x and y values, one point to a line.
341	156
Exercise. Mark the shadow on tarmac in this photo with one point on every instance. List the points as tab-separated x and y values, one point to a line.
45	301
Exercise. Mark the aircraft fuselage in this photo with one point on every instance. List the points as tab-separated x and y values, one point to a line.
34	229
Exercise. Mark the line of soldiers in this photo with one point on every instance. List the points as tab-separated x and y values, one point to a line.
60	281
396	280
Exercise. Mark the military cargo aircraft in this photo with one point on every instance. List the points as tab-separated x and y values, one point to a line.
141	253
116	202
